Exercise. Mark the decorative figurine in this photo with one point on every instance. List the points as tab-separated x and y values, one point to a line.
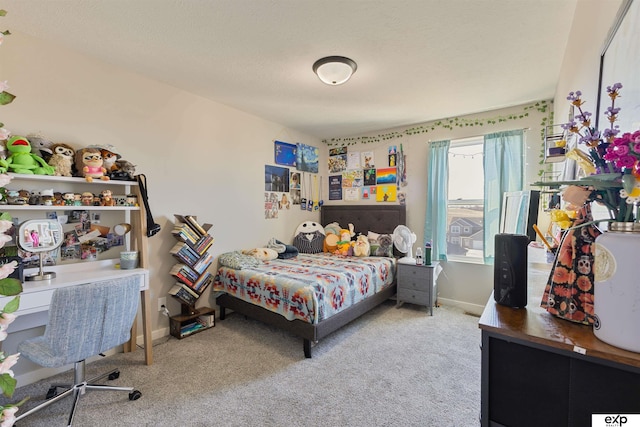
87	199
106	198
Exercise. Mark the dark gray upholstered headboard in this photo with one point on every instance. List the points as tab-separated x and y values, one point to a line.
380	219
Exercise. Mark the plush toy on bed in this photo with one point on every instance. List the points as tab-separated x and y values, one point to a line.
385	249
361	247
330	242
309	237
334	228
344	247
263	254
332	237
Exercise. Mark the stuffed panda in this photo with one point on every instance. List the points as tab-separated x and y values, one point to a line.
309	237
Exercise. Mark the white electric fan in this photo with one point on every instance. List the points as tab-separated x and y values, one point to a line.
403	240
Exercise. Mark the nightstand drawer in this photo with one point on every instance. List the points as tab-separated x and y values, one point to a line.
408	272
414	283
413	297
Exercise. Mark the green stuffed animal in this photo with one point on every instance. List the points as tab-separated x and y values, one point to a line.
22	160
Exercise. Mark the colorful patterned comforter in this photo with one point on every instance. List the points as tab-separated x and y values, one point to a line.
309	287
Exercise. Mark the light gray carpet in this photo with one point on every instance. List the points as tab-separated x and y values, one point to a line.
391	367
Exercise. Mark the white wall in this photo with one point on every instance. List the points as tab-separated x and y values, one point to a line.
463	284
199	157
581	64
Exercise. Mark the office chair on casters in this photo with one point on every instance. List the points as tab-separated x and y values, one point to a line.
84	321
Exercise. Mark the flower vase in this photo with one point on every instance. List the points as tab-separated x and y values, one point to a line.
617	291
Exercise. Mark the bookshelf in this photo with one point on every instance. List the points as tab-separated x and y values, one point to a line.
191	252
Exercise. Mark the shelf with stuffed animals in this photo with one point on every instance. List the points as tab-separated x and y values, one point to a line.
56	169
192	276
96	202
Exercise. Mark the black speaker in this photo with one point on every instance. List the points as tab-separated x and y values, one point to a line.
510	270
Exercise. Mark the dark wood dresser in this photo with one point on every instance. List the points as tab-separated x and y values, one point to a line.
539	370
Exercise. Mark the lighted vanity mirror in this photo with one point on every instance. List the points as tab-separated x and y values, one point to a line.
39	236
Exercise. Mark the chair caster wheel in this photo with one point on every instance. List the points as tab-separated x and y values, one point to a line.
114	375
135	395
52	392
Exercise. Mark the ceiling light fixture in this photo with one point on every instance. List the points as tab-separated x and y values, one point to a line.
334	70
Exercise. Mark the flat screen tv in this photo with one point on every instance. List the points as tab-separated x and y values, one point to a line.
520	212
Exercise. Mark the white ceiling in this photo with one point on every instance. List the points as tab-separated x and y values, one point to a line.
418	60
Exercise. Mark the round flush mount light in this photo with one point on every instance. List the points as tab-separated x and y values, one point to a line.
334	70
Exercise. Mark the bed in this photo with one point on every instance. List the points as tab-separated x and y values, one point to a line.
371	281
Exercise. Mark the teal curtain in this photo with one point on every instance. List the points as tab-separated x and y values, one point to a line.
435	227
503	171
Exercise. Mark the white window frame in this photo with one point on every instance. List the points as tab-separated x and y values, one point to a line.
476	140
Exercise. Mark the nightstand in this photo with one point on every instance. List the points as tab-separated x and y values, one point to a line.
416	285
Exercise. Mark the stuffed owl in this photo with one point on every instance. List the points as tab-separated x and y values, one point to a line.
62	159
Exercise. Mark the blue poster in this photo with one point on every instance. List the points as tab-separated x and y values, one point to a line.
285	153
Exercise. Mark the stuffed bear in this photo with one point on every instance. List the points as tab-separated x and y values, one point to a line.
361	247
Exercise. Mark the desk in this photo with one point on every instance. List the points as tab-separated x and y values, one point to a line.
36	296
539	370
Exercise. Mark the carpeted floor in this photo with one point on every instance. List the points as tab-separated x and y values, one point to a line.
391	367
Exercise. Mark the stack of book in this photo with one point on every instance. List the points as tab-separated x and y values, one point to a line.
193	257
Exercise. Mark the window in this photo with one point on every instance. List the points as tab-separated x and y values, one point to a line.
467	179
466	199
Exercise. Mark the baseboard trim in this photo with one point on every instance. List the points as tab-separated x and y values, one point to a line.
474	309
157	334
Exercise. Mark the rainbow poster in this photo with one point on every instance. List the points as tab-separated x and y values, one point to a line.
386	176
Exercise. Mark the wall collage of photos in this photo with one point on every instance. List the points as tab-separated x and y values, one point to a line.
358	178
295	184
352	176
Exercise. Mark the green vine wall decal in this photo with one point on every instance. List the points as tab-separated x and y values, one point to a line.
449	123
